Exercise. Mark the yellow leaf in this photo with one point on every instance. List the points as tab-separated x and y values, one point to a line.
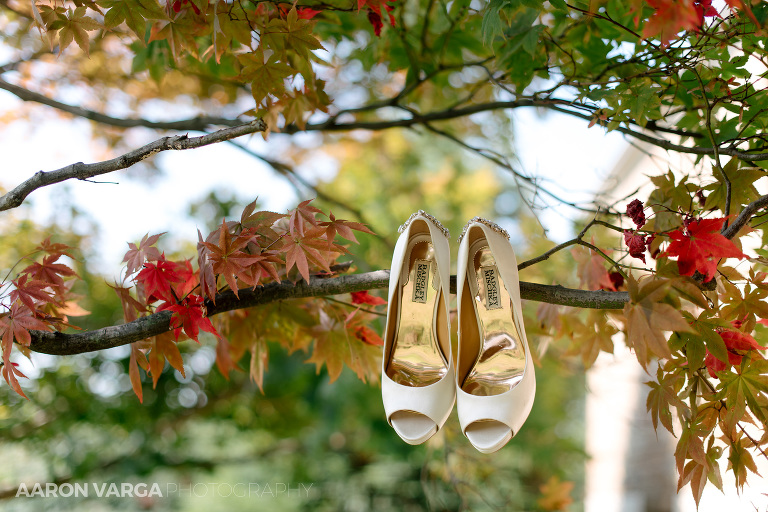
556	494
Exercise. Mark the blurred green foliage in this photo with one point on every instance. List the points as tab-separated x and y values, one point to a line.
197	435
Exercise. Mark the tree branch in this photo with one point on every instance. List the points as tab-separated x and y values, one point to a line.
745	216
83	171
57	343
193	124
202	123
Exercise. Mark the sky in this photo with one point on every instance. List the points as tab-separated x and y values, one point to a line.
550	145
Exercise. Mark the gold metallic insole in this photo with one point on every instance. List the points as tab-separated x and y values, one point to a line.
416	358
500	363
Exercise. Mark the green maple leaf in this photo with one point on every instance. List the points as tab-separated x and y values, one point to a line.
743	189
748	384
643	101
266	77
134	13
180	34
740	460
298	35
666	199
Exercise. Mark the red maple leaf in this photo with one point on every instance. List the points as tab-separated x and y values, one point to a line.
301	216
364	297
49	271
375	8
227	258
54	248
636	244
137	255
617	280
158	279
31	292
343	228
189	315
303	250
368	335
700	246
17	323
636	213
738	343
669	18
307	13
189	279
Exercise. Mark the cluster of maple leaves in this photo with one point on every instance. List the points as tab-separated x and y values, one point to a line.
271	42
39	297
671	17
694	314
260	248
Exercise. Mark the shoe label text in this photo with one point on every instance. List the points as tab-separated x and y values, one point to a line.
421	281
491	281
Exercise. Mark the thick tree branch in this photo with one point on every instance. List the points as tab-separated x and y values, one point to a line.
83	171
56	343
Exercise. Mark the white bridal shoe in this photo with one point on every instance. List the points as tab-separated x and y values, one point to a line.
495	376
418	385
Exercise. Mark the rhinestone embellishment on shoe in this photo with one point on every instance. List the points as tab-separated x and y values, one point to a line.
434	221
495	227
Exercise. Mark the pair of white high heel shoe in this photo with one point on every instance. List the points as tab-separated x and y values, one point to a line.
492	379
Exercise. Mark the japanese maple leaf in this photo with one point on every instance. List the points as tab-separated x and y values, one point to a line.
31	292
590	267
375	12
228	259
137	255
205	267
158	279
49	271
636	213
700	246
343	228
364	297
368	335
301	216
263	265
302	250
662	397
189	315
137	359
307	13
647	319
16	324
669	18
189	279
636	244
163	347
131	306
737	343
331	345
54	248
